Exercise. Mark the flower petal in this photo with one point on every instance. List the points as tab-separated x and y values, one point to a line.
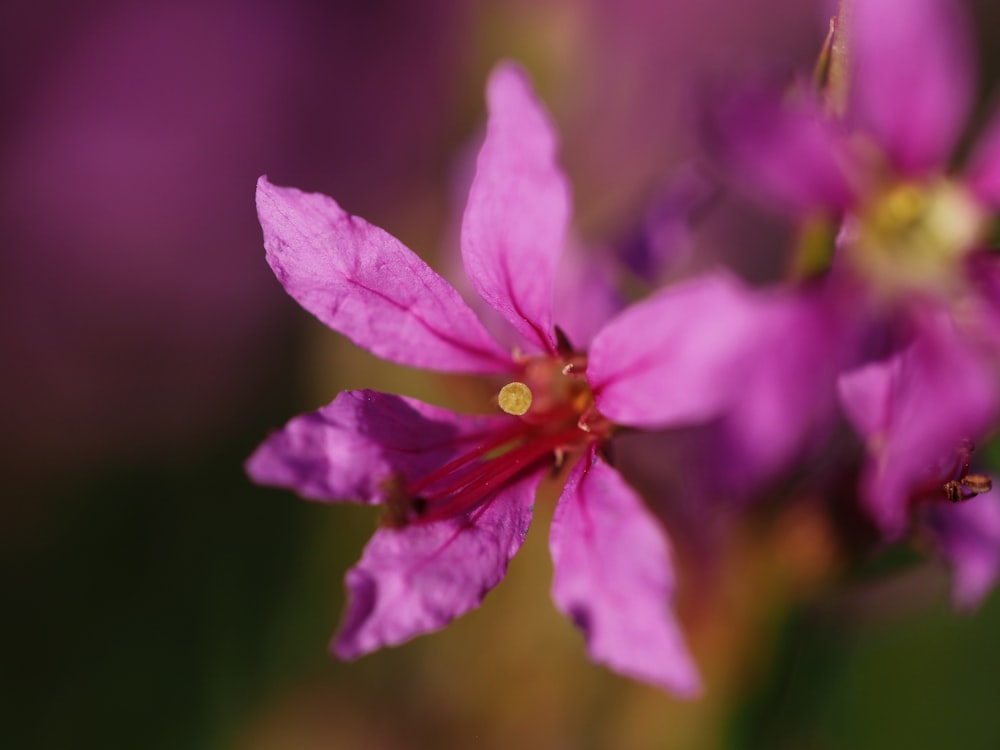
786	151
363	444
664	239
674	357
866	395
912	78
614	578
929	399
364	283
515	221
968	536
417	579
787	386
983	172
586	293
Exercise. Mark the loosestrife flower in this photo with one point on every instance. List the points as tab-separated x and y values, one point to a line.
910	282
887	403
458	489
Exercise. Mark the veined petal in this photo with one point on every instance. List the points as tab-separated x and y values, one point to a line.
614	579
515	221
364	283
783	150
673	358
968	536
417	579
364	445
983	172
912	78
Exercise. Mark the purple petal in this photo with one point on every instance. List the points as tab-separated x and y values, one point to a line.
664	240
363	444
586	293
928	399
614	579
983	271
364	283
786	151
675	357
787	386
417	579
913	78
968	536
983	173
866	395
515	221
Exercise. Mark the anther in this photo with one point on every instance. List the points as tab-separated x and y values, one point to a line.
515	398
977	483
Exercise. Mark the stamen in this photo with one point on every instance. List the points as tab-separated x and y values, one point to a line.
956	483
977	484
556	417
469	488
966	488
515	398
496	441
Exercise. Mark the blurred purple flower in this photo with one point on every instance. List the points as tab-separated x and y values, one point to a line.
914	411
459	488
910	235
625	94
881	166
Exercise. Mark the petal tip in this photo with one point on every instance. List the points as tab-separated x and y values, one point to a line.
264	188
507	75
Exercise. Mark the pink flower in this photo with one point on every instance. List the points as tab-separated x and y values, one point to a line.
459	489
915	410
907	284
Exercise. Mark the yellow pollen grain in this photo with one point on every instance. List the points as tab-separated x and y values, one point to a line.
515	398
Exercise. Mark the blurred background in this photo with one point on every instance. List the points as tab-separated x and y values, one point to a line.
154	598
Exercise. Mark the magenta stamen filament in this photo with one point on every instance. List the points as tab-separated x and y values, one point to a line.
470	488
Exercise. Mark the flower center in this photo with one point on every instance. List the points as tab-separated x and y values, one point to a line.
553	391
552	415
913	236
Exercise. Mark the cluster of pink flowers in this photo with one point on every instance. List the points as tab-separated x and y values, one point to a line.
895	331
